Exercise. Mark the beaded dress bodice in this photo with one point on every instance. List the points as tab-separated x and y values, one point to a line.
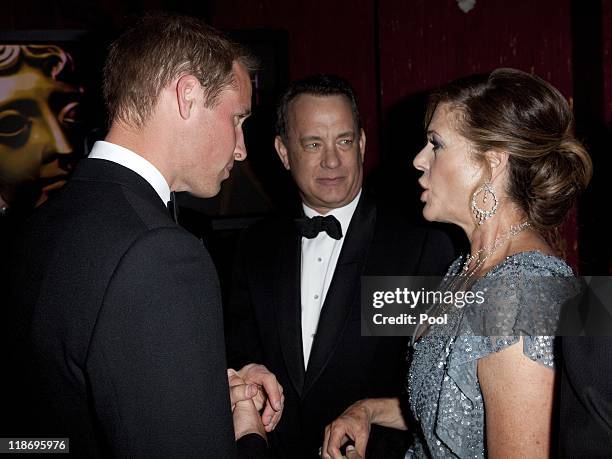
444	393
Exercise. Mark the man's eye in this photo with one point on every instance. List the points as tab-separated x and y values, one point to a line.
13	124
346	142
239	120
311	146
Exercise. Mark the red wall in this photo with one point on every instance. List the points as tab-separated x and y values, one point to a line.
392	50
426	43
414	46
332	36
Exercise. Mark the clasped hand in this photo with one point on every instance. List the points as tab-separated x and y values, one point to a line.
254	388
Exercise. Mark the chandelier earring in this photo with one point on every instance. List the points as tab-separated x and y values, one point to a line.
481	214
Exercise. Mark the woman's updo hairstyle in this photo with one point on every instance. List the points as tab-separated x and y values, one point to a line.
523	115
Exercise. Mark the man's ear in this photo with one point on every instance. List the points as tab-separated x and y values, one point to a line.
187	88
281	150
362	144
497	161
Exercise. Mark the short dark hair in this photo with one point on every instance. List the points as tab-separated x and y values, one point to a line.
315	85
158	49
527	117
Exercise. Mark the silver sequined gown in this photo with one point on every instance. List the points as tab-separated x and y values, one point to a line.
444	393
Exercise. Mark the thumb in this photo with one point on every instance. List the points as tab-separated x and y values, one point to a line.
351	453
242	392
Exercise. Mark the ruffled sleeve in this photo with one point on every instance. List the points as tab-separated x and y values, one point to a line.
519	301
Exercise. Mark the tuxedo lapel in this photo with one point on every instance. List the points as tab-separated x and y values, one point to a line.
101	170
287	302
343	289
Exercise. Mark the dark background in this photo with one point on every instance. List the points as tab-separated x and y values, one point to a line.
393	52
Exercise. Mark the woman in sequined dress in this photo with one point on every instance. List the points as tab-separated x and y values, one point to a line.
501	162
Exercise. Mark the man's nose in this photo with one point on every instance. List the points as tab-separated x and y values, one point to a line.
240	152
331	157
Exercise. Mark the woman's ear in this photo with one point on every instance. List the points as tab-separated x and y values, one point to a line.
497	161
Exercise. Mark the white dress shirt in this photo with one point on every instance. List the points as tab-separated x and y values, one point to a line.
319	259
135	162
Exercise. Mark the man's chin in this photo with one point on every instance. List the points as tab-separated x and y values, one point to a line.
206	193
330	202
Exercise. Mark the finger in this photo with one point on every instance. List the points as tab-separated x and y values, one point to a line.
268	413
274	421
361	442
234	378
260	399
270	416
278	415
273	389
323	449
259	374
337	438
241	392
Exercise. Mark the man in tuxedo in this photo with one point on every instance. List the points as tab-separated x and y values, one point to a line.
585	402
116	316
295	304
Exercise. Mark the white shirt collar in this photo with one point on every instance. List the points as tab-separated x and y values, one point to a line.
343	214
135	162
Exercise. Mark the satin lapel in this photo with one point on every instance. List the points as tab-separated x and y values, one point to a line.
288	304
342	290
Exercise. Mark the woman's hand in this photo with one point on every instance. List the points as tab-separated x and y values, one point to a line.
354	424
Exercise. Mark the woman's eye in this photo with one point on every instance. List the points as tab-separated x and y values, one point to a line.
13	124
436	145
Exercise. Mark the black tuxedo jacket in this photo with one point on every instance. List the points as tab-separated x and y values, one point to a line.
585	407
265	320
116	325
585	425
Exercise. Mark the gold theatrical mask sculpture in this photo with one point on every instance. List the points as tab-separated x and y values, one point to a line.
38	112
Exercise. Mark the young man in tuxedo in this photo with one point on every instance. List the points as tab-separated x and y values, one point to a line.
116	315
295	303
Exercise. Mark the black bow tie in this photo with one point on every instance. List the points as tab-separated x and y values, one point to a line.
311	227
173	207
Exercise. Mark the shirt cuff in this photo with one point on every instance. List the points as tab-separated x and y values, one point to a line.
251	445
